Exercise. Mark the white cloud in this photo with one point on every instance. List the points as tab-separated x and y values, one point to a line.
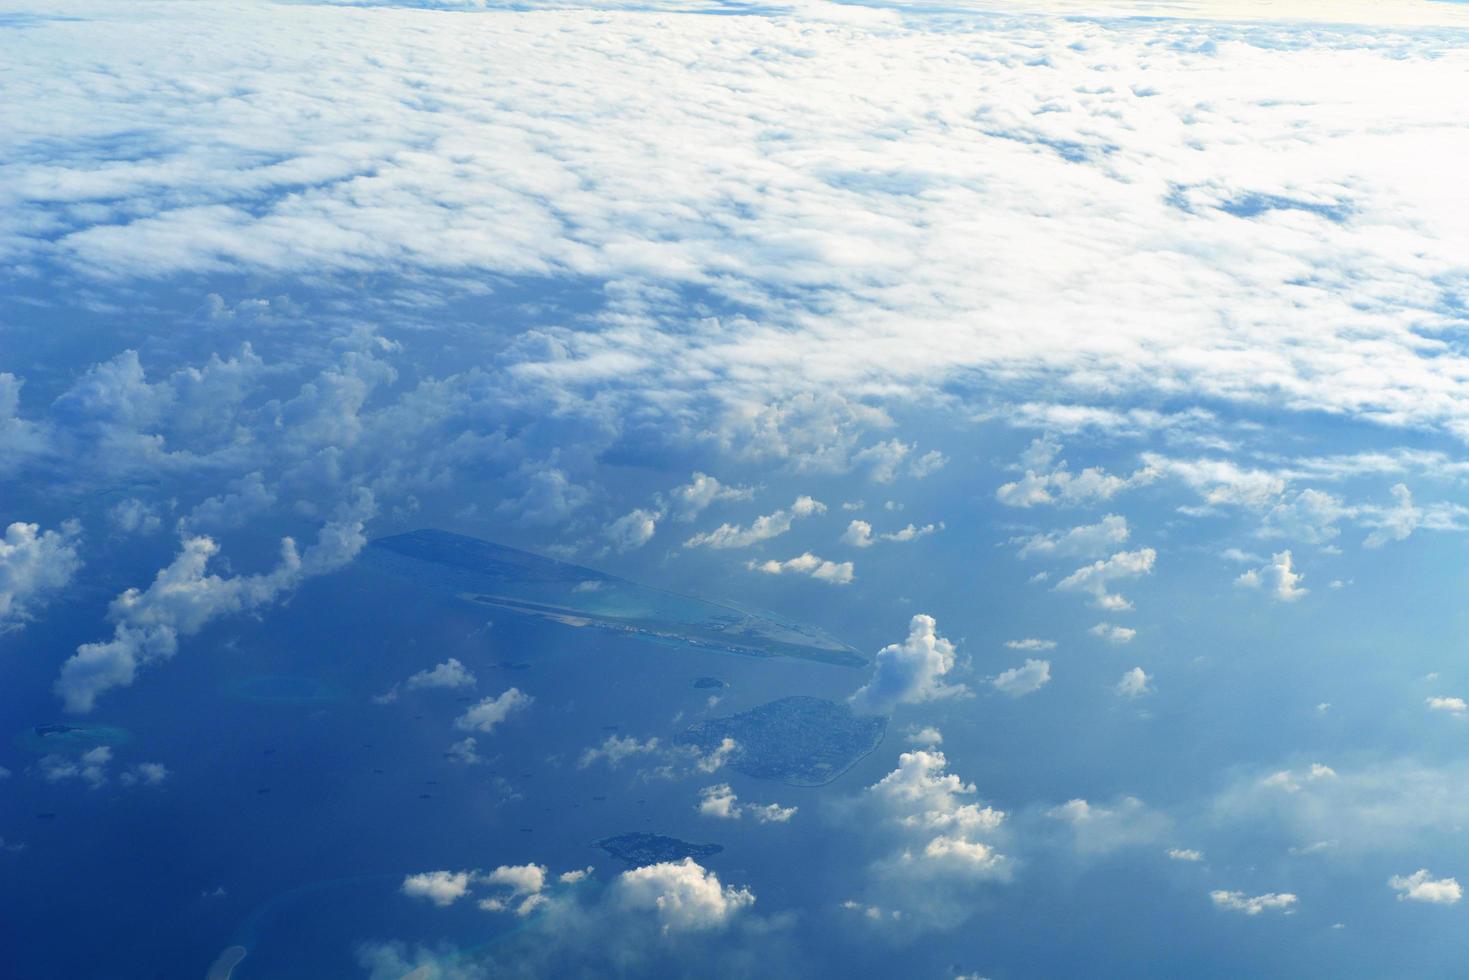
910	672
183	598
247	498
1113	633
34	566
1451	705
1134	684
134	516
859	534
90	767
1030	643
683	895
517	888
1086	541
1278	577
549	496
1393	806
1103	828
443	888
691	499
1290	780
926	736
145	774
1283	902
1185	854
615	749
845	281
465	751
633	529
1310	516
944	836
1048	480
763	529
835	573
721	803
1420	886
1025	679
449	674
491	712
1097	578
512	882
1397	523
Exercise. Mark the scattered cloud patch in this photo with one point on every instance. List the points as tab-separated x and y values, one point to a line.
1096	579
1420	886
832	572
1025	679
763	529
491	712
1282	902
1278	578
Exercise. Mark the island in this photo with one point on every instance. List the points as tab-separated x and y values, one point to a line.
527	584
708	683
639	849
799	741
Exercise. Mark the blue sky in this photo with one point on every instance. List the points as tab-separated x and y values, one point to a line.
1094	368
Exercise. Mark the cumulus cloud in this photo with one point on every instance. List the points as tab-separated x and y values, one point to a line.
633	529
1278	577
514	887
1420	886
1134	684
1030	643
1096	579
1397	522
1049	480
926	736
246	498
1086	541
682	895
492	712
911	671
449	674
1028	678
691	499
34	566
1450	705
183	598
134	516
762	529
90	767
859	534
549	496
941	835
1188	854
1112	633
145	774
721	803
835	573
615	749
443	888
1310	516
1283	902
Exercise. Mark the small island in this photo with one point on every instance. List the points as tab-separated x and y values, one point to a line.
708	683
800	741
639	849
